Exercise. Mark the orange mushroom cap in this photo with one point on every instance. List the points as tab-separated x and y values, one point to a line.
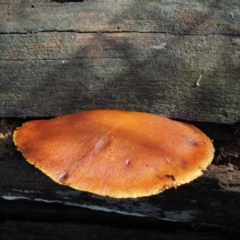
116	153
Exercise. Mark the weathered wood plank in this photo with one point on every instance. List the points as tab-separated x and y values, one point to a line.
169	16
142	55
49	74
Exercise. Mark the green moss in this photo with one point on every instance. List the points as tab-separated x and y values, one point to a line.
236	41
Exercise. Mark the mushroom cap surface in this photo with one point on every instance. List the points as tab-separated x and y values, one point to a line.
115	153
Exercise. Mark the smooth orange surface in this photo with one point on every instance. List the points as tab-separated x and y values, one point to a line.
116	153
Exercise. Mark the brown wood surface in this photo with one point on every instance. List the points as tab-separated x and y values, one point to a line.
59	58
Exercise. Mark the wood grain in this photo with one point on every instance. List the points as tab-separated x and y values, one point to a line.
59	58
187	17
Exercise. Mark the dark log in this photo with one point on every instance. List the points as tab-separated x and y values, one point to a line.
209	204
187	17
68	231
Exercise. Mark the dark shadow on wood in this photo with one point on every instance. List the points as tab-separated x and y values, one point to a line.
65	1
121	77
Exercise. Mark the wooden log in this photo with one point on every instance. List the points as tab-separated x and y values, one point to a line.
148	55
210	203
28	230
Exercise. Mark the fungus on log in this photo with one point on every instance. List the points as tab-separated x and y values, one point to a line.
116	153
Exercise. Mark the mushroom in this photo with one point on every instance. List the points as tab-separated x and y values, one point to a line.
115	153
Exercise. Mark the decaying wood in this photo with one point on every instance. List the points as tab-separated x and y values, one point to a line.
210	203
59	58
69	231
180	59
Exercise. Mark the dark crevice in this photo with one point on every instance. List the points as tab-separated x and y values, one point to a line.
58	59
118	31
66	1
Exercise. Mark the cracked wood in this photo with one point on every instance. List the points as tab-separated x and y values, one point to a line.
59	58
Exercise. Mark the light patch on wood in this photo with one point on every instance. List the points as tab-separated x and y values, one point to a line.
181	216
